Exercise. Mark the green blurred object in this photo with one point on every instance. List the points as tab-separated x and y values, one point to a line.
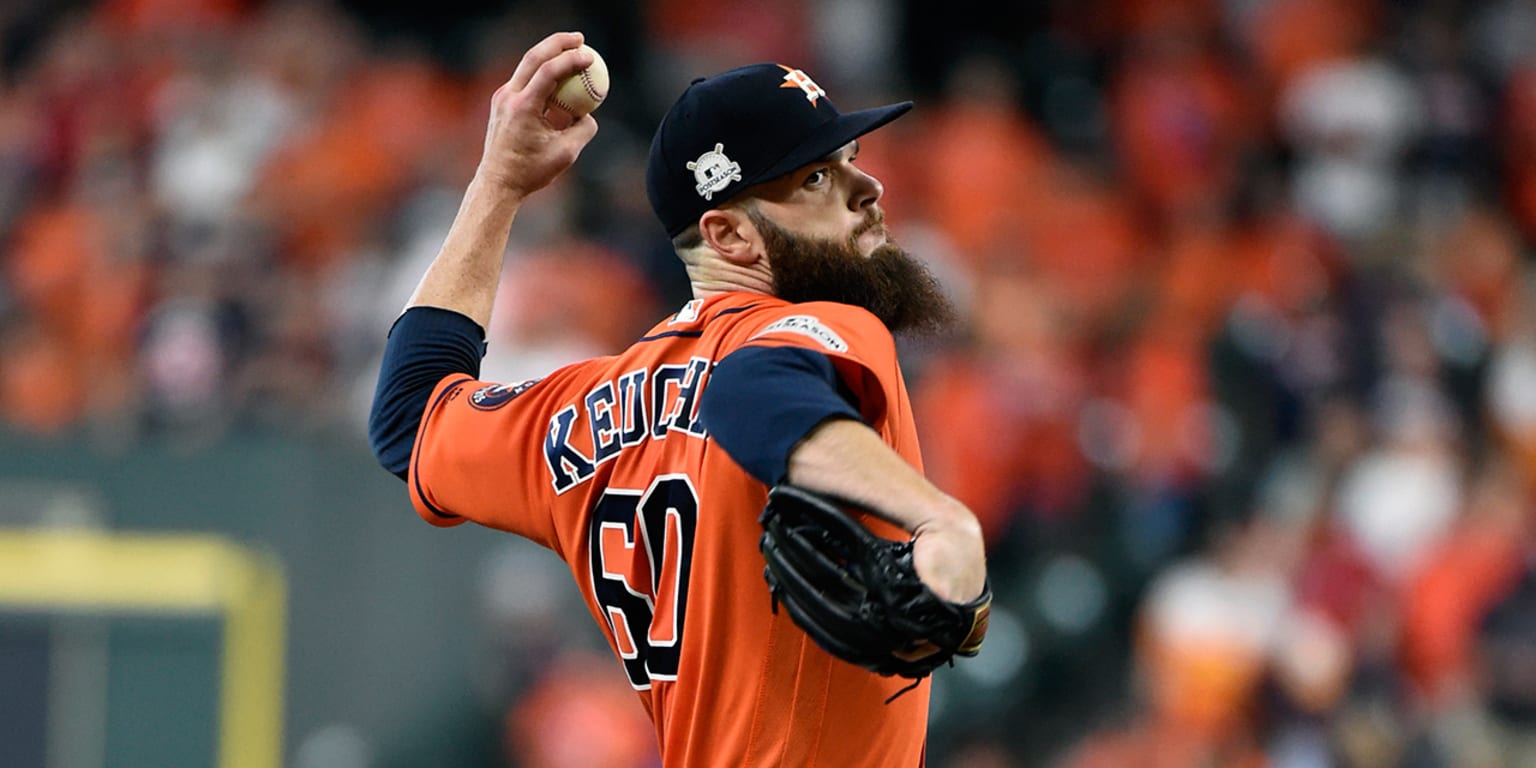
381	620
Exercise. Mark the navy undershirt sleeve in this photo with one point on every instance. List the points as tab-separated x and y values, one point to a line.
761	401
425	344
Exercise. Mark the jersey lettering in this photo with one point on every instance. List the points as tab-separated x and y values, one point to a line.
567	466
676	394
600	408
642	555
632	395
622	413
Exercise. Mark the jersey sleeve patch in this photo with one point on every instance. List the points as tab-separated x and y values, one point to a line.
491	397
807	325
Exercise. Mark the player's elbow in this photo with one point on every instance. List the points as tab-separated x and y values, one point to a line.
391	432
425	345
762	400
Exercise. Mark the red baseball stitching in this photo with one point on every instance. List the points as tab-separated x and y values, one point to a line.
586	81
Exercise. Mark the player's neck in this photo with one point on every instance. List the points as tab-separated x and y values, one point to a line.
714	277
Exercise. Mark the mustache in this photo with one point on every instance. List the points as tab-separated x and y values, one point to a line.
874	218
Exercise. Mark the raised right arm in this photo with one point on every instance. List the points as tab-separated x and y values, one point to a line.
442	331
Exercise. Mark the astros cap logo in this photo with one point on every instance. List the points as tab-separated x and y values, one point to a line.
798	79
743	127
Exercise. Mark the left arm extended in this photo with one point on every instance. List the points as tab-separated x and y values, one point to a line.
779	412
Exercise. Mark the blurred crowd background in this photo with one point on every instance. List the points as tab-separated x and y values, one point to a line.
1244	394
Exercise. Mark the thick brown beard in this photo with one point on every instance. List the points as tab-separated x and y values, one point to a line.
892	284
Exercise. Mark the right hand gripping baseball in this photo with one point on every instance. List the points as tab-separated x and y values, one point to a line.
526	145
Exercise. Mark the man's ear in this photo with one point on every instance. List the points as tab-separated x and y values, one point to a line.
731	233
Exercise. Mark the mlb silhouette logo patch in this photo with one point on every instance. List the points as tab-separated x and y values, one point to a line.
689	313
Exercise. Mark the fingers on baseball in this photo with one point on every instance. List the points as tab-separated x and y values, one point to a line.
549	75
542	52
575	133
583	129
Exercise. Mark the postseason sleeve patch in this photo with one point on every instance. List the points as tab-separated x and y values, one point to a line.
807	325
496	395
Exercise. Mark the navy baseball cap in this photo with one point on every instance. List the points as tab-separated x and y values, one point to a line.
742	127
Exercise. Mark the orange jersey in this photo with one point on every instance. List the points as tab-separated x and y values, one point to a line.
606	463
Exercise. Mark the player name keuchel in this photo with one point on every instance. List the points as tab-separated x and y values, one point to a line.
639	405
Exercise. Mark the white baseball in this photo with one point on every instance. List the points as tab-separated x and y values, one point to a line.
584	91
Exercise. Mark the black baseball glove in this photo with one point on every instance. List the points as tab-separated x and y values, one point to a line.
857	594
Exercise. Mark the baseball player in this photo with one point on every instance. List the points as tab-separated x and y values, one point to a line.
646	471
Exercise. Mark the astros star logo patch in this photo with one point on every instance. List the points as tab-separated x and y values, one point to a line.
798	79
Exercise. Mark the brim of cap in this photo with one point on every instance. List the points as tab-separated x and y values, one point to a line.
829	137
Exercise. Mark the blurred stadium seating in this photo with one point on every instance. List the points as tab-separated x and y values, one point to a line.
1243	394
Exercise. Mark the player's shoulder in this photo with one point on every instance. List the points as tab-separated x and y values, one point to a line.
840	329
831	312
741	317
752	309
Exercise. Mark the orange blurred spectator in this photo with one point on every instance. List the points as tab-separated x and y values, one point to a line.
407	103
986	166
581	287
1087	246
1286	262
1471	569
579	715
328	189
1207	630
562	302
1199	277
1163	383
737	31
140	16
985	475
41	389
1180	123
1021	377
1478	260
78	273
1289	37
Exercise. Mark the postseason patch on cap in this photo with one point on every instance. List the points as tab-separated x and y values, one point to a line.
807	325
713	171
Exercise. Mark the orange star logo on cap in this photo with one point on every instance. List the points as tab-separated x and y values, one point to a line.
799	79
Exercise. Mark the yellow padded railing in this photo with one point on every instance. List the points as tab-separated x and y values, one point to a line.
141	574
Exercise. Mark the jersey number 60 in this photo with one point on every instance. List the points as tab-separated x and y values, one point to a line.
642	551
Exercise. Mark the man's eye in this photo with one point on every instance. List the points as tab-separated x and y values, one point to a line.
816	177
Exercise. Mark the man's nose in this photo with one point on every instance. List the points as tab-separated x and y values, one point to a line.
867	190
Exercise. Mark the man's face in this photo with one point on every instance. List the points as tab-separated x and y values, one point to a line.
830	199
894	286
